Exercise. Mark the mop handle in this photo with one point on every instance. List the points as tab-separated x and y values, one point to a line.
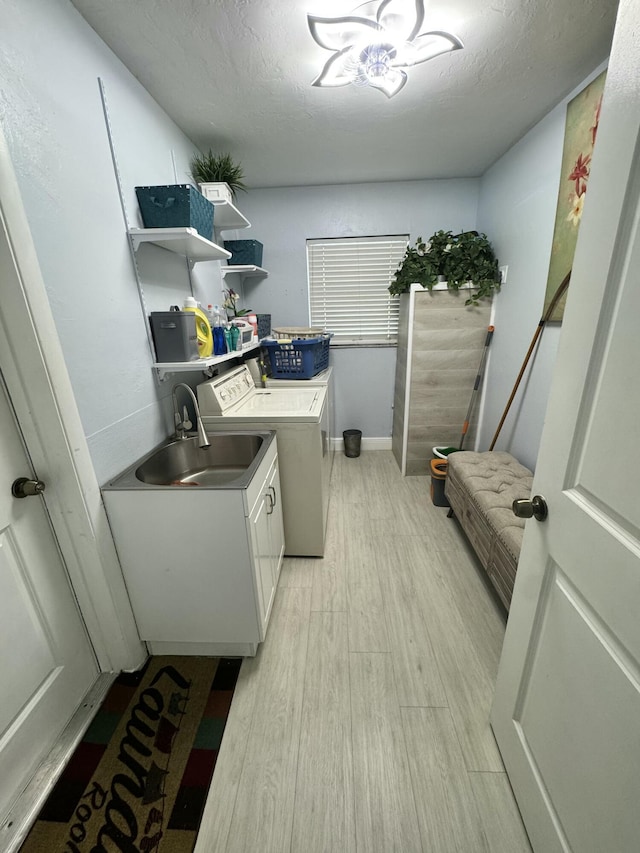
465	426
561	289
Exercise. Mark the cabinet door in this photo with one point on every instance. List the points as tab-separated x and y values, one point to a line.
260	524
276	523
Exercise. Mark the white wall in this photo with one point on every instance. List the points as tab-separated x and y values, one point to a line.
52	116
283	220
518	197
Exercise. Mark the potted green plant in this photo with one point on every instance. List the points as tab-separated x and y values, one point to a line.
218	175
230	305
455	258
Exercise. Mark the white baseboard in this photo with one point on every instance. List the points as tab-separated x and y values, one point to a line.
242	650
365	444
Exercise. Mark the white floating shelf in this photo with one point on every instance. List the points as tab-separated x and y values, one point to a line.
165	368
243	270
227	217
182	241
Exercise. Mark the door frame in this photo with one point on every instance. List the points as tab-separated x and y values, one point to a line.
39	387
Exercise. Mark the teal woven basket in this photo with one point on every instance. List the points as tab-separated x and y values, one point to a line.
244	252
176	206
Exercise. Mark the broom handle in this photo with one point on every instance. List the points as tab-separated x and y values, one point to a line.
558	294
465	425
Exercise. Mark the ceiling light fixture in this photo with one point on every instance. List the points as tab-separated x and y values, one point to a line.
370	45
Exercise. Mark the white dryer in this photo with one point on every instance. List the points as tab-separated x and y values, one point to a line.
322	378
325	378
301	420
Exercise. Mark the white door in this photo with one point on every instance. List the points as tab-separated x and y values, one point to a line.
46	661
566	713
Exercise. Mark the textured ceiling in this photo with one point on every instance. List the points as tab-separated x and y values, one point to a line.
235	75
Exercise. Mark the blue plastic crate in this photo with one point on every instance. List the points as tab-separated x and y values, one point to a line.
244	252
300	359
176	206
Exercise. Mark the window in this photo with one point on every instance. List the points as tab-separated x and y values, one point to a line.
348	287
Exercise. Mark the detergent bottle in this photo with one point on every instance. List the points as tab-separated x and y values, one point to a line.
203	328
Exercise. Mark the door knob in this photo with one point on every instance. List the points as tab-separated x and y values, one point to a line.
24	488
534	508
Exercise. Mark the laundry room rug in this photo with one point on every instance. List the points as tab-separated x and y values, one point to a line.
139	779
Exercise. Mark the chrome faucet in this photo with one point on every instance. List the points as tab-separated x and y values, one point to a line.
181	430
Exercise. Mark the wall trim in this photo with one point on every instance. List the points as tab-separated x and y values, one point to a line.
365	444
38	383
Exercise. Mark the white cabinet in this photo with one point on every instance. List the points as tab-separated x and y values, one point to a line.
201	565
267	537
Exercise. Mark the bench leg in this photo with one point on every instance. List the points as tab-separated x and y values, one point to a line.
450	514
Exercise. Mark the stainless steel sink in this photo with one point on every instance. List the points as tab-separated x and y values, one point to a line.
229	462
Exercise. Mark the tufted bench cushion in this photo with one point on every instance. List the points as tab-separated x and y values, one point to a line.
481	488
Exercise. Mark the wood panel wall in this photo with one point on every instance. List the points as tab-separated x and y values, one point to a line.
440	353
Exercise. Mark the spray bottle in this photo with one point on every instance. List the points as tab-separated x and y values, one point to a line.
219	343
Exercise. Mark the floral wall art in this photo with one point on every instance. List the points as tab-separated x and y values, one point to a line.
583	115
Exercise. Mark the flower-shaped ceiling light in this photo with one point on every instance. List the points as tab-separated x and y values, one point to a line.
377	39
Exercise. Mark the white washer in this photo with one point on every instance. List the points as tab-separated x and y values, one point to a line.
301	420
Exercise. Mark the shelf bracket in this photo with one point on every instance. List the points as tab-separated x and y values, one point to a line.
137	241
163	373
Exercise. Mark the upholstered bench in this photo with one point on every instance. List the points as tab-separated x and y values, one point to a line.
481	488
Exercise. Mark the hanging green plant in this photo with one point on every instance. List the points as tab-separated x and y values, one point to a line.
454	258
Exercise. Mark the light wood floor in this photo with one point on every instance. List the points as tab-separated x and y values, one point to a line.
362	722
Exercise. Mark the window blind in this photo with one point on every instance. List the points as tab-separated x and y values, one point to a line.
348	287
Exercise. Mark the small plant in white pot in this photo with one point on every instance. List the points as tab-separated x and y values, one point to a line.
218	176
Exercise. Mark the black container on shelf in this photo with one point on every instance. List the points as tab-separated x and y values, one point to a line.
174	335
264	325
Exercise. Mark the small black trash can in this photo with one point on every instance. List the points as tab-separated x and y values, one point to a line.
352	438
438	476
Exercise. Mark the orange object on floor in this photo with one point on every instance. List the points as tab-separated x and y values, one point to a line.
438	476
